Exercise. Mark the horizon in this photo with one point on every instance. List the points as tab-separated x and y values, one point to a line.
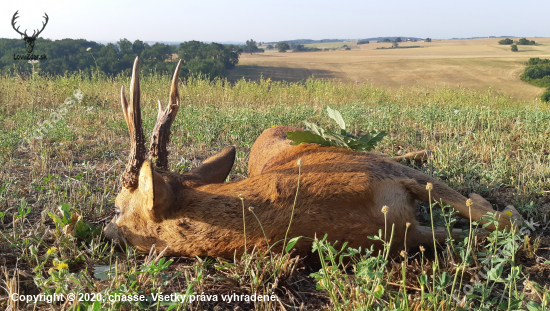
218	21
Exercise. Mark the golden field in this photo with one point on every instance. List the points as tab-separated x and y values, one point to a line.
472	63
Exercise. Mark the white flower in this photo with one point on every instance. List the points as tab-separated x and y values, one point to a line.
456	111
88	49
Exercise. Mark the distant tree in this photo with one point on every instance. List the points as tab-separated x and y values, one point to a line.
524	41
363	42
394	44
386	40
283	46
125	46
250	47
537	61
347	48
137	47
506	41
398	39
269	47
514	48
428	40
299	48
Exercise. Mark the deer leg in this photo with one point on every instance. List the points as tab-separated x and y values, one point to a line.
423	236
417	182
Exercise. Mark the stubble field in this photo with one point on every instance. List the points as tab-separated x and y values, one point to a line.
472	63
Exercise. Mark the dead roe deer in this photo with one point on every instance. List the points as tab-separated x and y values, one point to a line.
341	194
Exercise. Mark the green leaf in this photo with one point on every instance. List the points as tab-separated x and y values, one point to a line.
291	243
299	137
533	306
378	291
336	116
444	279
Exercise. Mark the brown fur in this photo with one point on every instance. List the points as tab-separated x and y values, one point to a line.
341	194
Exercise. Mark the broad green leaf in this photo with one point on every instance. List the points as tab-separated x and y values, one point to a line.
336	116
299	137
291	243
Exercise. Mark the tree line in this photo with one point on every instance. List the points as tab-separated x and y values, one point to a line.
79	55
537	73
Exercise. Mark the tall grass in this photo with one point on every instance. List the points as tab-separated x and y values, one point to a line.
485	143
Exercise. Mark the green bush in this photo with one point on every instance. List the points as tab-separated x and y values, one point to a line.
524	41
537	61
545	97
506	41
514	48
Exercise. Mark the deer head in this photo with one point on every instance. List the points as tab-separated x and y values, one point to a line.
149	190
29	40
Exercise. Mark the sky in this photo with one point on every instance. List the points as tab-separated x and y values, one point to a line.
272	21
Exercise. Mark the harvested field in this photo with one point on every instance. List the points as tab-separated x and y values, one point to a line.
474	63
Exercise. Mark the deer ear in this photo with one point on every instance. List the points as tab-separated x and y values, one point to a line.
216	168
155	192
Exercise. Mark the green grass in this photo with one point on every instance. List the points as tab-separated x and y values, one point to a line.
484	143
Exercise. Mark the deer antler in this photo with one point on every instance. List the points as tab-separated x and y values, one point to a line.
43	26
132	114
34	33
161	133
13	24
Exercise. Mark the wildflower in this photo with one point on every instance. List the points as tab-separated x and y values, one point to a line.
88	49
51	250
385	209
469	202
408	224
456	111
422	249
241	197
508	213
299	162
62	265
429	186
251	208
403	254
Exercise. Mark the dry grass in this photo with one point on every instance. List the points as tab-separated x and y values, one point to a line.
483	142
477	63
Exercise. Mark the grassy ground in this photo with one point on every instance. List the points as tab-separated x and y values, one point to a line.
483	142
477	63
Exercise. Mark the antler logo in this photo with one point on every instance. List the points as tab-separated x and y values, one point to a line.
29	40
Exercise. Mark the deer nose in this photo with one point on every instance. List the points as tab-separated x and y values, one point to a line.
111	232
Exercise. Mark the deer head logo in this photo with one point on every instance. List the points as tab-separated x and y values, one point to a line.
29	40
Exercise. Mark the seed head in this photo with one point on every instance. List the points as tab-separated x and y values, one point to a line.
469	202
251	208
403	254
429	186
299	162
241	197
408	224
385	209
422	249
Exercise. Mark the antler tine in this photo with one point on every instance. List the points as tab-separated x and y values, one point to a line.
132	114
43	25
13	24
161	133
